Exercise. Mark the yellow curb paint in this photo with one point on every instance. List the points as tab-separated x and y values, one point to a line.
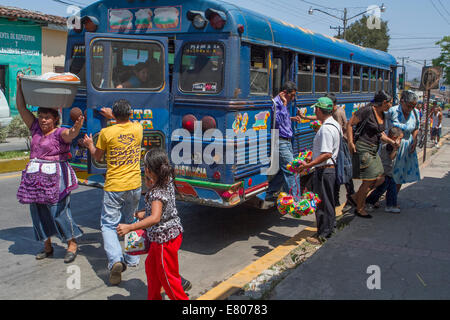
11	176
13	165
240	279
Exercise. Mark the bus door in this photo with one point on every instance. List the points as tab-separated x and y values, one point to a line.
128	67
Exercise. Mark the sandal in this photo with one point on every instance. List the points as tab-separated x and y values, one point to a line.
358	213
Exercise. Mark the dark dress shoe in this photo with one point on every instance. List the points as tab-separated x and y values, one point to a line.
44	254
186	284
70	256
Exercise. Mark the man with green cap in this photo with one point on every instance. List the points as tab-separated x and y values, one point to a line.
325	152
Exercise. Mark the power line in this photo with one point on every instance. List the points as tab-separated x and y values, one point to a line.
420	48
448	13
319	5
443	17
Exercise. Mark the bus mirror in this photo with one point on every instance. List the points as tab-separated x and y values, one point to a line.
216	18
198	19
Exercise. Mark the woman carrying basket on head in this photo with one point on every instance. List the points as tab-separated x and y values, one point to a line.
48	178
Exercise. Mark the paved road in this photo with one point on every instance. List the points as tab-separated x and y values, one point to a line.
411	250
217	243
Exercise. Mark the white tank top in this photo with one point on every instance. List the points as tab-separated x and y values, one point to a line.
436	120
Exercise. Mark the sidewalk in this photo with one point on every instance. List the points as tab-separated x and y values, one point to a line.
411	249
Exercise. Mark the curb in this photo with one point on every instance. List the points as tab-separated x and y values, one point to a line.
236	282
13	165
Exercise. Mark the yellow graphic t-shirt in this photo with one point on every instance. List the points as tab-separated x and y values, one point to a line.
122	146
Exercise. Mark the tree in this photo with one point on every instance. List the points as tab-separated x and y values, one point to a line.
358	33
444	59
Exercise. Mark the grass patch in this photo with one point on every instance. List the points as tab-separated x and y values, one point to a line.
4	155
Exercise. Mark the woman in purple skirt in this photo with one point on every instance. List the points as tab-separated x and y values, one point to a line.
48	178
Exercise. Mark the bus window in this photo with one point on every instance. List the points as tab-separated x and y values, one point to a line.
136	65
373	80
335	70
365	81
202	67
387	81
304	73
380	80
346	77
259	73
78	63
356	78
320	77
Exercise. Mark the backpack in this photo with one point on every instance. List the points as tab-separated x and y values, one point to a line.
343	163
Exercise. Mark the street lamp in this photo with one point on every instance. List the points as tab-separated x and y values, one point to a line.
345	19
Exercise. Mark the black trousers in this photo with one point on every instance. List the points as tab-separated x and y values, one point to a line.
324	182
349	186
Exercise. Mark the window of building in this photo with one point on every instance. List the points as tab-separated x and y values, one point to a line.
259	71
320	75
304	73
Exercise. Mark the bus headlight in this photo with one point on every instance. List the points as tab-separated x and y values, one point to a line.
198	19
216	18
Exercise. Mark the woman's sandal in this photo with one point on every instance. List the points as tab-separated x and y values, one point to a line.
357	213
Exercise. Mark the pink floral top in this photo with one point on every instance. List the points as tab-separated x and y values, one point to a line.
51	147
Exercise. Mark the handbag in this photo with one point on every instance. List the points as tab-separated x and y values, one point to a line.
136	242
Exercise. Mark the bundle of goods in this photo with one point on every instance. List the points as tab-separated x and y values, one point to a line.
315	125
50	90
306	205
299	161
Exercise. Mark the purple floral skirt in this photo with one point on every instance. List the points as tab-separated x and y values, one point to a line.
46	182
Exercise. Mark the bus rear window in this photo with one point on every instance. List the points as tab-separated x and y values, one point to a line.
126	65
202	68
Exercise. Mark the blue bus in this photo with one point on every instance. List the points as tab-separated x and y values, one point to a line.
209	61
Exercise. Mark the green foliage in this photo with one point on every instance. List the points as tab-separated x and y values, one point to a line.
3	134
359	34
444	59
18	128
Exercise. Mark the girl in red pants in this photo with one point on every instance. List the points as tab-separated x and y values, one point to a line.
164	228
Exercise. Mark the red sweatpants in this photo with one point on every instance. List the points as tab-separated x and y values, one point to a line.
161	268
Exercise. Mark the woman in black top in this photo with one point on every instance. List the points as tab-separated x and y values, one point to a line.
364	144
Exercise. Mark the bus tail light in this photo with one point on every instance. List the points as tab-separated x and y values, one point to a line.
216	18
198	19
208	122
188	122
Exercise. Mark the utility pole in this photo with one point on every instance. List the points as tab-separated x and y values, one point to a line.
338	28
344	22
404	70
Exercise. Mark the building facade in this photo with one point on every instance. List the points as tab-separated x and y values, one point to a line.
30	43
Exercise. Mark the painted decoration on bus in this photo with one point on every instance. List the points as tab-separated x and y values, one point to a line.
240	123
261	120
189	171
143	116
149	19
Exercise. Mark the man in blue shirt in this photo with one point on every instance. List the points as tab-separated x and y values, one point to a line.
283	122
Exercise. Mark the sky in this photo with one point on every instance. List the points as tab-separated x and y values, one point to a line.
414	25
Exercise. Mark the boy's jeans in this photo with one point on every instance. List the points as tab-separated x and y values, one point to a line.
115	206
388	185
284	177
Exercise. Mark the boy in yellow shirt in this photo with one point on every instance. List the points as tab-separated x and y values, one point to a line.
121	146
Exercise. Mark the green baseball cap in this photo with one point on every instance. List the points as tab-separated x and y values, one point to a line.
324	103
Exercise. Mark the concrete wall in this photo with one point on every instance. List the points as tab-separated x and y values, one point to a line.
54	41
